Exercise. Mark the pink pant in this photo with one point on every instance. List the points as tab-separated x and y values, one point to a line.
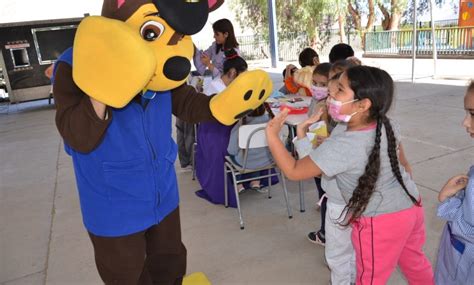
386	240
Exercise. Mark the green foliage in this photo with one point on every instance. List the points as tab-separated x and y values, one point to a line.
424	6
293	16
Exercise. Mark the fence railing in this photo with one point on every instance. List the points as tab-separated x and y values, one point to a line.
450	41
289	45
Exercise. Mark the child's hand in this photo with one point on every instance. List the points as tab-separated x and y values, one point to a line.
205	59
274	125
319	141
290	68
302	127
453	186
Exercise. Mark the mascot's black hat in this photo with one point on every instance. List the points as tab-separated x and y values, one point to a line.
184	16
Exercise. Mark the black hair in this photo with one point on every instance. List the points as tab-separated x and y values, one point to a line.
257	112
225	26
292	71
233	60
377	86
323	69
342	65
340	51
306	57
335	76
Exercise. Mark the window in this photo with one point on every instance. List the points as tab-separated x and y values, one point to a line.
20	57
51	42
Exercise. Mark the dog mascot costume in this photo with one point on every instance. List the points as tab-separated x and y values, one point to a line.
115	92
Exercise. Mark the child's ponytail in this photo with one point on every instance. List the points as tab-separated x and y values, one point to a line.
392	154
366	186
377	86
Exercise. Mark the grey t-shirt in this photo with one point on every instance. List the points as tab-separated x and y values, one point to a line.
344	156
329	184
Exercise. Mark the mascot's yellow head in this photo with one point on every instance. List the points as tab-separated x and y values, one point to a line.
137	45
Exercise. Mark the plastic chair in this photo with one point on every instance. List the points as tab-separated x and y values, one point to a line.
251	136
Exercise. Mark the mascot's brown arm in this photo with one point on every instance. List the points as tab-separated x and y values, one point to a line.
190	105
76	119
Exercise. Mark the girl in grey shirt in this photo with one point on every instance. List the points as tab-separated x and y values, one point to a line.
383	203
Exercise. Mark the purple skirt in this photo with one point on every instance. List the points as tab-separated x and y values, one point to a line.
212	142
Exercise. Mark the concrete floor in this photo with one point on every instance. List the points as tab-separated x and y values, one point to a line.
42	239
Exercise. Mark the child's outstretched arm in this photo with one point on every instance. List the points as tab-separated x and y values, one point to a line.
293	169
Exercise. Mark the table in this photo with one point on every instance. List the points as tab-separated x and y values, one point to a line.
292	121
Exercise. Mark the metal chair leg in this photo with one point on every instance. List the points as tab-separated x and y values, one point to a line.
226	194
269	185
237	199
300	186
193	162
285	192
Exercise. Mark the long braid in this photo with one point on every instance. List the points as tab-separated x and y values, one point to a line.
392	154
366	186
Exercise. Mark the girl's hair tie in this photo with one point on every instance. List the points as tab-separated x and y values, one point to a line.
230	54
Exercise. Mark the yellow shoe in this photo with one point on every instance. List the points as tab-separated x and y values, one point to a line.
196	278
248	91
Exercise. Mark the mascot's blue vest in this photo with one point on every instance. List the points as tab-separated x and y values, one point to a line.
128	183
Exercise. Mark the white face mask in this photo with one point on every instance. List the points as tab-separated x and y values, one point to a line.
334	110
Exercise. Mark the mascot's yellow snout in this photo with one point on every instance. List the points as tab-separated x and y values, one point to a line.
116	60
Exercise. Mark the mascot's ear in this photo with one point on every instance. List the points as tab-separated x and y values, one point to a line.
121	9
214	4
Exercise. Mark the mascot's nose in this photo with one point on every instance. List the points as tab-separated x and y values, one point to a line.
177	68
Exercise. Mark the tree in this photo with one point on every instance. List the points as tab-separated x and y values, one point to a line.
339	10
359	8
424	6
293	17
392	11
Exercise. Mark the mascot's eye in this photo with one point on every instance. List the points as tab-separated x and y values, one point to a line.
151	30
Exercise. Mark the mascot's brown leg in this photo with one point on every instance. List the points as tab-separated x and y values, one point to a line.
154	256
166	254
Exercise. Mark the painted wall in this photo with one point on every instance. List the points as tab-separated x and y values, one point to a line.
466	13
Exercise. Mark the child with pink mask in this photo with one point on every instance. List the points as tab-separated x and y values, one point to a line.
364	157
319	93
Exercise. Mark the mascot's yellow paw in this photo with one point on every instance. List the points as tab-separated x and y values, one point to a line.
196	278
106	68
248	91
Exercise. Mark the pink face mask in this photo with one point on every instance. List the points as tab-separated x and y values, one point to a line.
319	93
334	110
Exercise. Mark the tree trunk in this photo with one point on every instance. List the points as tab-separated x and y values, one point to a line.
342	32
371	16
357	19
355	15
315	42
363	35
395	22
386	21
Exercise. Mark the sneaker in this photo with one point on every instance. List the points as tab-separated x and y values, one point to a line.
187	168
317	238
259	189
241	189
